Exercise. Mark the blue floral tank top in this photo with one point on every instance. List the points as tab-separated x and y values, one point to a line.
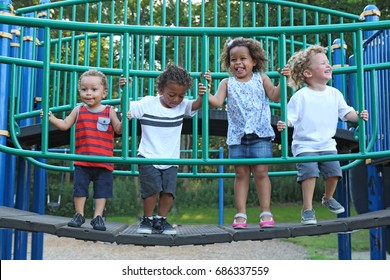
248	110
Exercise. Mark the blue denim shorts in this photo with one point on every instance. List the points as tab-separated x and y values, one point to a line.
153	180
252	147
101	178
328	169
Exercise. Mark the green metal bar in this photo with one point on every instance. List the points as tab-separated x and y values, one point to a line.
205	103
45	92
308	7
135	160
283	97
194	31
164	39
99	36
373	113
125	97
360	88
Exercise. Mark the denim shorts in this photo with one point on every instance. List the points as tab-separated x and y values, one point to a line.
101	178
328	169
153	180
252	147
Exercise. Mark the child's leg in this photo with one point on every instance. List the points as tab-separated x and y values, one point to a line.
100	204
308	187
241	187
263	187
150	204
79	203
164	204
330	187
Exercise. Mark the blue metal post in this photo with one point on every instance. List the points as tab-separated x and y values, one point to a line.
9	195
344	239
220	190
342	190
371	13
40	178
375	203
5	39
375	172
38	207
24	167
339	58
22	202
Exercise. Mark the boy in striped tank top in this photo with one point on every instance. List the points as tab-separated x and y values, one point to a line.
95	127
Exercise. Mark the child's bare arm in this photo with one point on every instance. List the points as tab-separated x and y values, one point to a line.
353	116
272	91
62	124
218	99
116	123
197	104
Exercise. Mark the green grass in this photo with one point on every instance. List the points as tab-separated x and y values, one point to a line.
322	247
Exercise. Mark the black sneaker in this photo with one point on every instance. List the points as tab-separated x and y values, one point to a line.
161	225
145	226
98	223
76	221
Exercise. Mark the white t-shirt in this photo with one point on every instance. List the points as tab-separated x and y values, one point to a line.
161	127
314	116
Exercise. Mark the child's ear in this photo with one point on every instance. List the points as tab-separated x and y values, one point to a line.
307	73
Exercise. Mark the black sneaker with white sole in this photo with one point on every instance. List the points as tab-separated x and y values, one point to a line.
98	223
77	220
145	226
161	225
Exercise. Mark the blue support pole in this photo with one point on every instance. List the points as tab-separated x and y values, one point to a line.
40	176
342	190
5	39
24	167
23	203
371	13
375	203
375	172
344	239
220	191
9	194
339	59
38	207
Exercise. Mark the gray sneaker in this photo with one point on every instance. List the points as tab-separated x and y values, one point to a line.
309	217
333	205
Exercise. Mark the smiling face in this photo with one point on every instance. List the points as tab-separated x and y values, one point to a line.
172	94
92	91
241	63
319	70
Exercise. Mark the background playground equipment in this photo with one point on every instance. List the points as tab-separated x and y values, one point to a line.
44	49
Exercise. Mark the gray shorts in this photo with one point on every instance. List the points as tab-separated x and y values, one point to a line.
328	169
155	180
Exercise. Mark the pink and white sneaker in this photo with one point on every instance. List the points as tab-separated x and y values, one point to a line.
239	225
266	223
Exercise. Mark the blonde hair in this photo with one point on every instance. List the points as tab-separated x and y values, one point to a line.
301	61
256	52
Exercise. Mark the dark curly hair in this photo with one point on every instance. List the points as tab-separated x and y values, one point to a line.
255	50
174	74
